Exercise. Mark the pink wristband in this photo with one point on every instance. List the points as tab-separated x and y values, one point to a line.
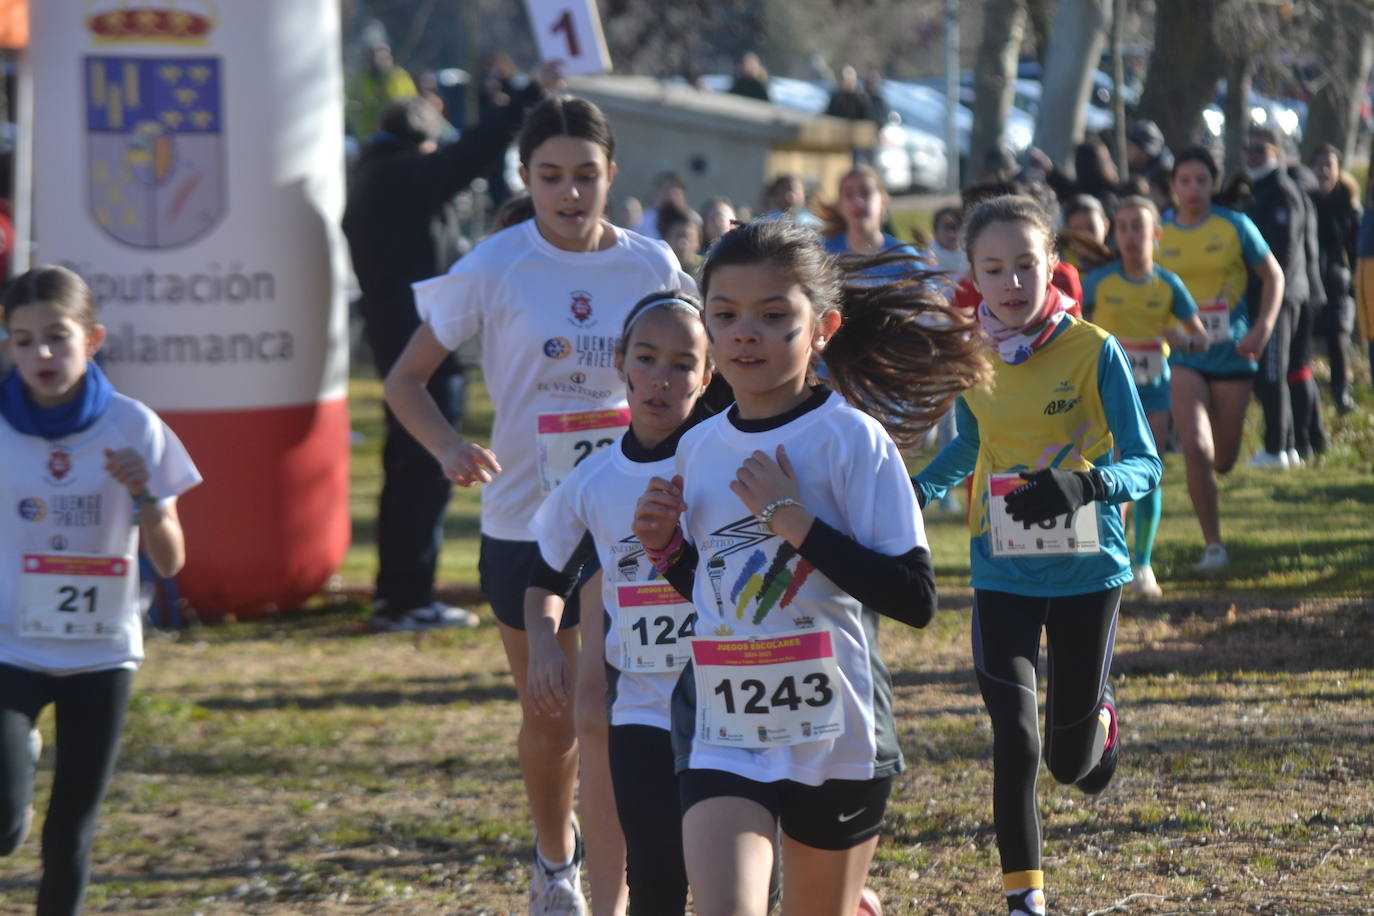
662	559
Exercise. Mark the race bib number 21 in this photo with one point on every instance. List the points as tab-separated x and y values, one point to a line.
70	596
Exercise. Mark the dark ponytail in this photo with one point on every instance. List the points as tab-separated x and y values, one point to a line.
902	353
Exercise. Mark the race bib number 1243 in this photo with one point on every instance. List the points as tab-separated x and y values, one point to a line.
767	692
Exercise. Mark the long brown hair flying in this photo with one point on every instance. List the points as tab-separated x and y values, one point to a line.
902	353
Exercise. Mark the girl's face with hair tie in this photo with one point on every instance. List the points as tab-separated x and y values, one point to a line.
569	180
50	349
764	332
1011	269
664	368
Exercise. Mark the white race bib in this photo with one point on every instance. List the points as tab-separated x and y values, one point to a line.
767	692
568	439
1075	533
76	596
1146	358
655	624
1216	318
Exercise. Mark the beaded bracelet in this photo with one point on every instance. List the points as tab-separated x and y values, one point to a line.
766	516
663	559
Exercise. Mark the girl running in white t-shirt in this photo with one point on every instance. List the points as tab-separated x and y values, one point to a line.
547	298
648	625
94	475
790	520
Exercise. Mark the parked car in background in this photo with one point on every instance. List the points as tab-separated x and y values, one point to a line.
924	106
905	157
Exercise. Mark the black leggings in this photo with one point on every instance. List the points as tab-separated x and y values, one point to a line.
1081	631
90	717
646	795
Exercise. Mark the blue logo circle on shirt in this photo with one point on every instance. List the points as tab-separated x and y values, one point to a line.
32	509
557	347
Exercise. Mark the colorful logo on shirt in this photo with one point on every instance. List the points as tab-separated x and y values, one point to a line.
59	467
32	509
581	309
1062	405
558	348
764	582
59	542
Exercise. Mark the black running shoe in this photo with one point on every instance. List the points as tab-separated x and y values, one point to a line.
1100	776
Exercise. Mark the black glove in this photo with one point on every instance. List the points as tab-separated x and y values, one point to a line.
1050	493
920	495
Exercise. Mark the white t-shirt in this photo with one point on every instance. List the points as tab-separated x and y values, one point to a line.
549	322
852	477
64	508
650	623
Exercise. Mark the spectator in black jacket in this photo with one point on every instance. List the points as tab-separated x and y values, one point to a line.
1309	438
1146	154
751	80
1277	209
848	99
402	226
1338	225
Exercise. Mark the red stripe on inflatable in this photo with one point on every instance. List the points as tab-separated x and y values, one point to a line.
270	524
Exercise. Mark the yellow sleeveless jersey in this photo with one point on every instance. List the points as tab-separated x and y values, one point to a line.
1212	259
1136	309
1045	412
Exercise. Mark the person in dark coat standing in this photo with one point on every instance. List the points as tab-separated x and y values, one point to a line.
1338	226
402	226
1278	210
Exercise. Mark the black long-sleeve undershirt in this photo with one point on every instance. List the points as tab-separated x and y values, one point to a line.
561	582
900	587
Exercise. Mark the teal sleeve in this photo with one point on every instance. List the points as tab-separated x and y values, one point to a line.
1137	469
1253	247
1184	305
1090	283
955	461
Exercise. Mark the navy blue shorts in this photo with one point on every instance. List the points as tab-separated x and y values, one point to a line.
503	569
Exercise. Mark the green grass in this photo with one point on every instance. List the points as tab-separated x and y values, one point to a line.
300	765
1296	533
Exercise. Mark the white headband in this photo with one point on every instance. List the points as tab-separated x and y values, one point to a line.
666	300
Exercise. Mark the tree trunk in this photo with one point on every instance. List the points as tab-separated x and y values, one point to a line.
1004	24
1075	46
1237	111
1184	68
1344	33
1118	85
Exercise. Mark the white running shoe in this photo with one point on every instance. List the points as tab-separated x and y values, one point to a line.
1264	459
433	616
35	752
1144	584
558	893
1214	559
1294	459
